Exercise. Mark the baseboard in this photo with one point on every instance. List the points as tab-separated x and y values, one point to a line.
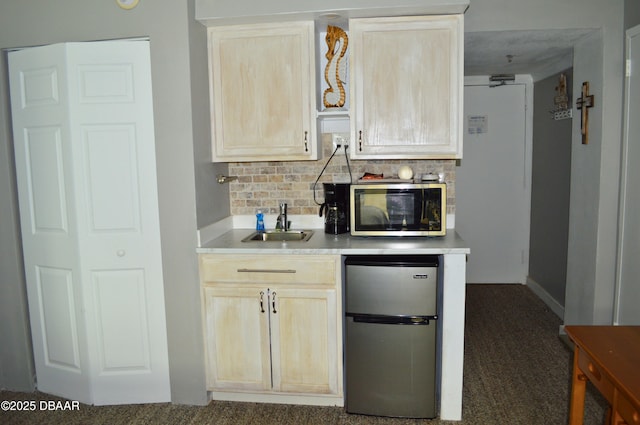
542	293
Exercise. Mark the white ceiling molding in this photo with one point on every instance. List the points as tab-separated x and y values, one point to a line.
215	12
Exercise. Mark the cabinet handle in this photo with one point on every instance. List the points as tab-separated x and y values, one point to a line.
261	304
306	148
273	303
266	271
360	140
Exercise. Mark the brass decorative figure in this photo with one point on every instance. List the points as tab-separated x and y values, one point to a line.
335	71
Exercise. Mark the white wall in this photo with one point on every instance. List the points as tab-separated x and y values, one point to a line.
550	189
16	362
593	201
595	167
212	199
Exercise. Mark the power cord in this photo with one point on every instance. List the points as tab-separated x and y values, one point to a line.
348	165
320	175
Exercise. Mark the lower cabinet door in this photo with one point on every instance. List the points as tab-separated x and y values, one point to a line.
237	338
303	340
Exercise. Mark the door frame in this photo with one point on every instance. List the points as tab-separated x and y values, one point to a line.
630	34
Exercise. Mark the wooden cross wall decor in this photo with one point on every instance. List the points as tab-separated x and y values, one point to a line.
584	103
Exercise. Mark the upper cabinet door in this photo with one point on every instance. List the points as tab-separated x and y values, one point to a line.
262	83
406	96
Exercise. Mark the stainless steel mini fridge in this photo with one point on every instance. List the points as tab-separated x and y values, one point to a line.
391	310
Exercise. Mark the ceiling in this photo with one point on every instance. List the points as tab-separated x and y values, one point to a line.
540	53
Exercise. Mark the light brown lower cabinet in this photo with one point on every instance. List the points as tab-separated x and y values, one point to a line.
272	327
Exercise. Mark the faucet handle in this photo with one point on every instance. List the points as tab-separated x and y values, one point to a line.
283	208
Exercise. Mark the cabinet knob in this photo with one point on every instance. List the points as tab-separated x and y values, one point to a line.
121	253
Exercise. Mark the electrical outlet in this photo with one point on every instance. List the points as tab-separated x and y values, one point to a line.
341	139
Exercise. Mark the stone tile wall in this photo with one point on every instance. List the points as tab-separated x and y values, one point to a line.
264	185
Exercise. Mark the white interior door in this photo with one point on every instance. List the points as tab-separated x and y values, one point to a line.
48	214
492	184
85	160
628	286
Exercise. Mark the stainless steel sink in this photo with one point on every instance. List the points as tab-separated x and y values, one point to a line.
279	236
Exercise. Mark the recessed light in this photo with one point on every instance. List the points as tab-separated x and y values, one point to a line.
127	4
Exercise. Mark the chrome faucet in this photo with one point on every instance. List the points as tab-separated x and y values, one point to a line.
282	223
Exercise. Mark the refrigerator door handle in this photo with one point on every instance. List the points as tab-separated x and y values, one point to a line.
391	320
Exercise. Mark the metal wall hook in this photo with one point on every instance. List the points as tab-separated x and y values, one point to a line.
222	179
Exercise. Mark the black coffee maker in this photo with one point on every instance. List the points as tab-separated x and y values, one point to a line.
336	207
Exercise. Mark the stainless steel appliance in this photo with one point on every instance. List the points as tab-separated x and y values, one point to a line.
335	208
398	209
390	336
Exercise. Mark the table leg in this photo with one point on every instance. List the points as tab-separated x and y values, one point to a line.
614	417
578	390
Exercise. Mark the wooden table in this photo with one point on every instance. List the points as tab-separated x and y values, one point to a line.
609	357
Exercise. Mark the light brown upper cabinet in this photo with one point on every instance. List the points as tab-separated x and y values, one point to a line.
406	87
262	88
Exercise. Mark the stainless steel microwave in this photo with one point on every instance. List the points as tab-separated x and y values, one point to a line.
398	209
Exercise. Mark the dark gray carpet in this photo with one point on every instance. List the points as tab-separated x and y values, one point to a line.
517	371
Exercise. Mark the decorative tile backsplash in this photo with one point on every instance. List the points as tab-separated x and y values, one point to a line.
264	185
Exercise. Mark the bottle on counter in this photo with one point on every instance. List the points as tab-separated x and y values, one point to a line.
260	221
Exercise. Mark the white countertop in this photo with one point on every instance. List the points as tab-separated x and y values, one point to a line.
322	243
